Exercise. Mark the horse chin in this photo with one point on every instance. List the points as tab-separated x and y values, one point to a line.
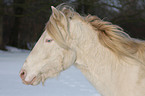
36	81
42	78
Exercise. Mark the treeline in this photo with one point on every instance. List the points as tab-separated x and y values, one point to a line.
22	21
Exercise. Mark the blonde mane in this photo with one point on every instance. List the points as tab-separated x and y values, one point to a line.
114	38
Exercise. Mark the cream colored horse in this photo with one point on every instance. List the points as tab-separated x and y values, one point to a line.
111	60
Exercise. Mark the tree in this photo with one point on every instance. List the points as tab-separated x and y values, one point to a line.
18	11
24	20
1	25
29	20
1	33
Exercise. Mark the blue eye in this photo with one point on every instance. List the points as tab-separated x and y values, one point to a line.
49	40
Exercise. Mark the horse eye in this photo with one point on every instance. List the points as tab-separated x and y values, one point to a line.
49	40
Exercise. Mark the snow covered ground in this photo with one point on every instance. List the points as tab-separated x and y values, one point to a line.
70	82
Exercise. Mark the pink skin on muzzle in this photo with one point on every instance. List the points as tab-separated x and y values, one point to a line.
23	75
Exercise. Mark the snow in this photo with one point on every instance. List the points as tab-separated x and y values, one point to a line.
13	49
69	83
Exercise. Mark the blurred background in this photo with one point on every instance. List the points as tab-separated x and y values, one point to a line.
23	21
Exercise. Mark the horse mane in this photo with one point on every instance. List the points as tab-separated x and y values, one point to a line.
109	35
114	38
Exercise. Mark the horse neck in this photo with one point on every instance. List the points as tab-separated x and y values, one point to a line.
88	47
92	57
103	68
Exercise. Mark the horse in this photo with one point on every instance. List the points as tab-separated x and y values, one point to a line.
109	58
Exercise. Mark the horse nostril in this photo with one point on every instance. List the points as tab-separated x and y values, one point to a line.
23	74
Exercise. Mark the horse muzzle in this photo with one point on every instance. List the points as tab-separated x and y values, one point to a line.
23	75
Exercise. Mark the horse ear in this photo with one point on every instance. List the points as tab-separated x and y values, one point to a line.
56	13
68	12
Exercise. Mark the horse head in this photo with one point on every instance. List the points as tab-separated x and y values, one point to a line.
53	52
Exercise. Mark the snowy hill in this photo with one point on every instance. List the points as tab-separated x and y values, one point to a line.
70	82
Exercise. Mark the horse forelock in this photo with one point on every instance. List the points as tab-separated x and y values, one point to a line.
54	31
53	25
